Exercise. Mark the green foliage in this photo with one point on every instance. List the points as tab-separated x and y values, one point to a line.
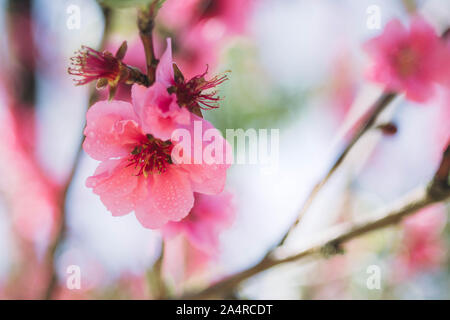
250	98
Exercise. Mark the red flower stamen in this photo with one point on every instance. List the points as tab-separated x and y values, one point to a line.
152	156
406	62
192	93
90	65
209	8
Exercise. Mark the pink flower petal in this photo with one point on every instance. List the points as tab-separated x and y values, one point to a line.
202	227
116	184
206	178
111	130
166	197
164	71
138	94
158	111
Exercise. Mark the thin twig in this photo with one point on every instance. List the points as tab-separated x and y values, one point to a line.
146	24
379	106
410	6
62	222
365	126
437	191
156	281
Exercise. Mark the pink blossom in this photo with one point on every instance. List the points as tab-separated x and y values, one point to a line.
409	61
343	83
135	56
194	93
422	247
234	14
90	65
210	215
158	111
164	72
183	14
137	172
202	28
24	183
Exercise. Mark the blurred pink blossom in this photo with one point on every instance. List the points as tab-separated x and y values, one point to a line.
182	14
193	93
422	247
202	28
209	216
343	83
32	198
200	232
410	61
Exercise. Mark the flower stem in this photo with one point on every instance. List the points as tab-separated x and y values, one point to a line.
410	6
155	277
146	24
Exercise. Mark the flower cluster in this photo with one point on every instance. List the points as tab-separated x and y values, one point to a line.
135	145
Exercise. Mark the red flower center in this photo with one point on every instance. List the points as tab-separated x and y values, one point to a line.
209	8
152	156
91	65
197	92
406	62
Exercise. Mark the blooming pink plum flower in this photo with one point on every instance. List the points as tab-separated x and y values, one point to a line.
196	90
410	61
210	215
158	111
190	94
105	68
137	170
422	246
91	65
135	56
194	93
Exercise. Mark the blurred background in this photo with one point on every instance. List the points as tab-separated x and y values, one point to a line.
297	66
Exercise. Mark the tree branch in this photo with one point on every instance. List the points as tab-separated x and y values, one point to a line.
146	23
437	191
366	125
